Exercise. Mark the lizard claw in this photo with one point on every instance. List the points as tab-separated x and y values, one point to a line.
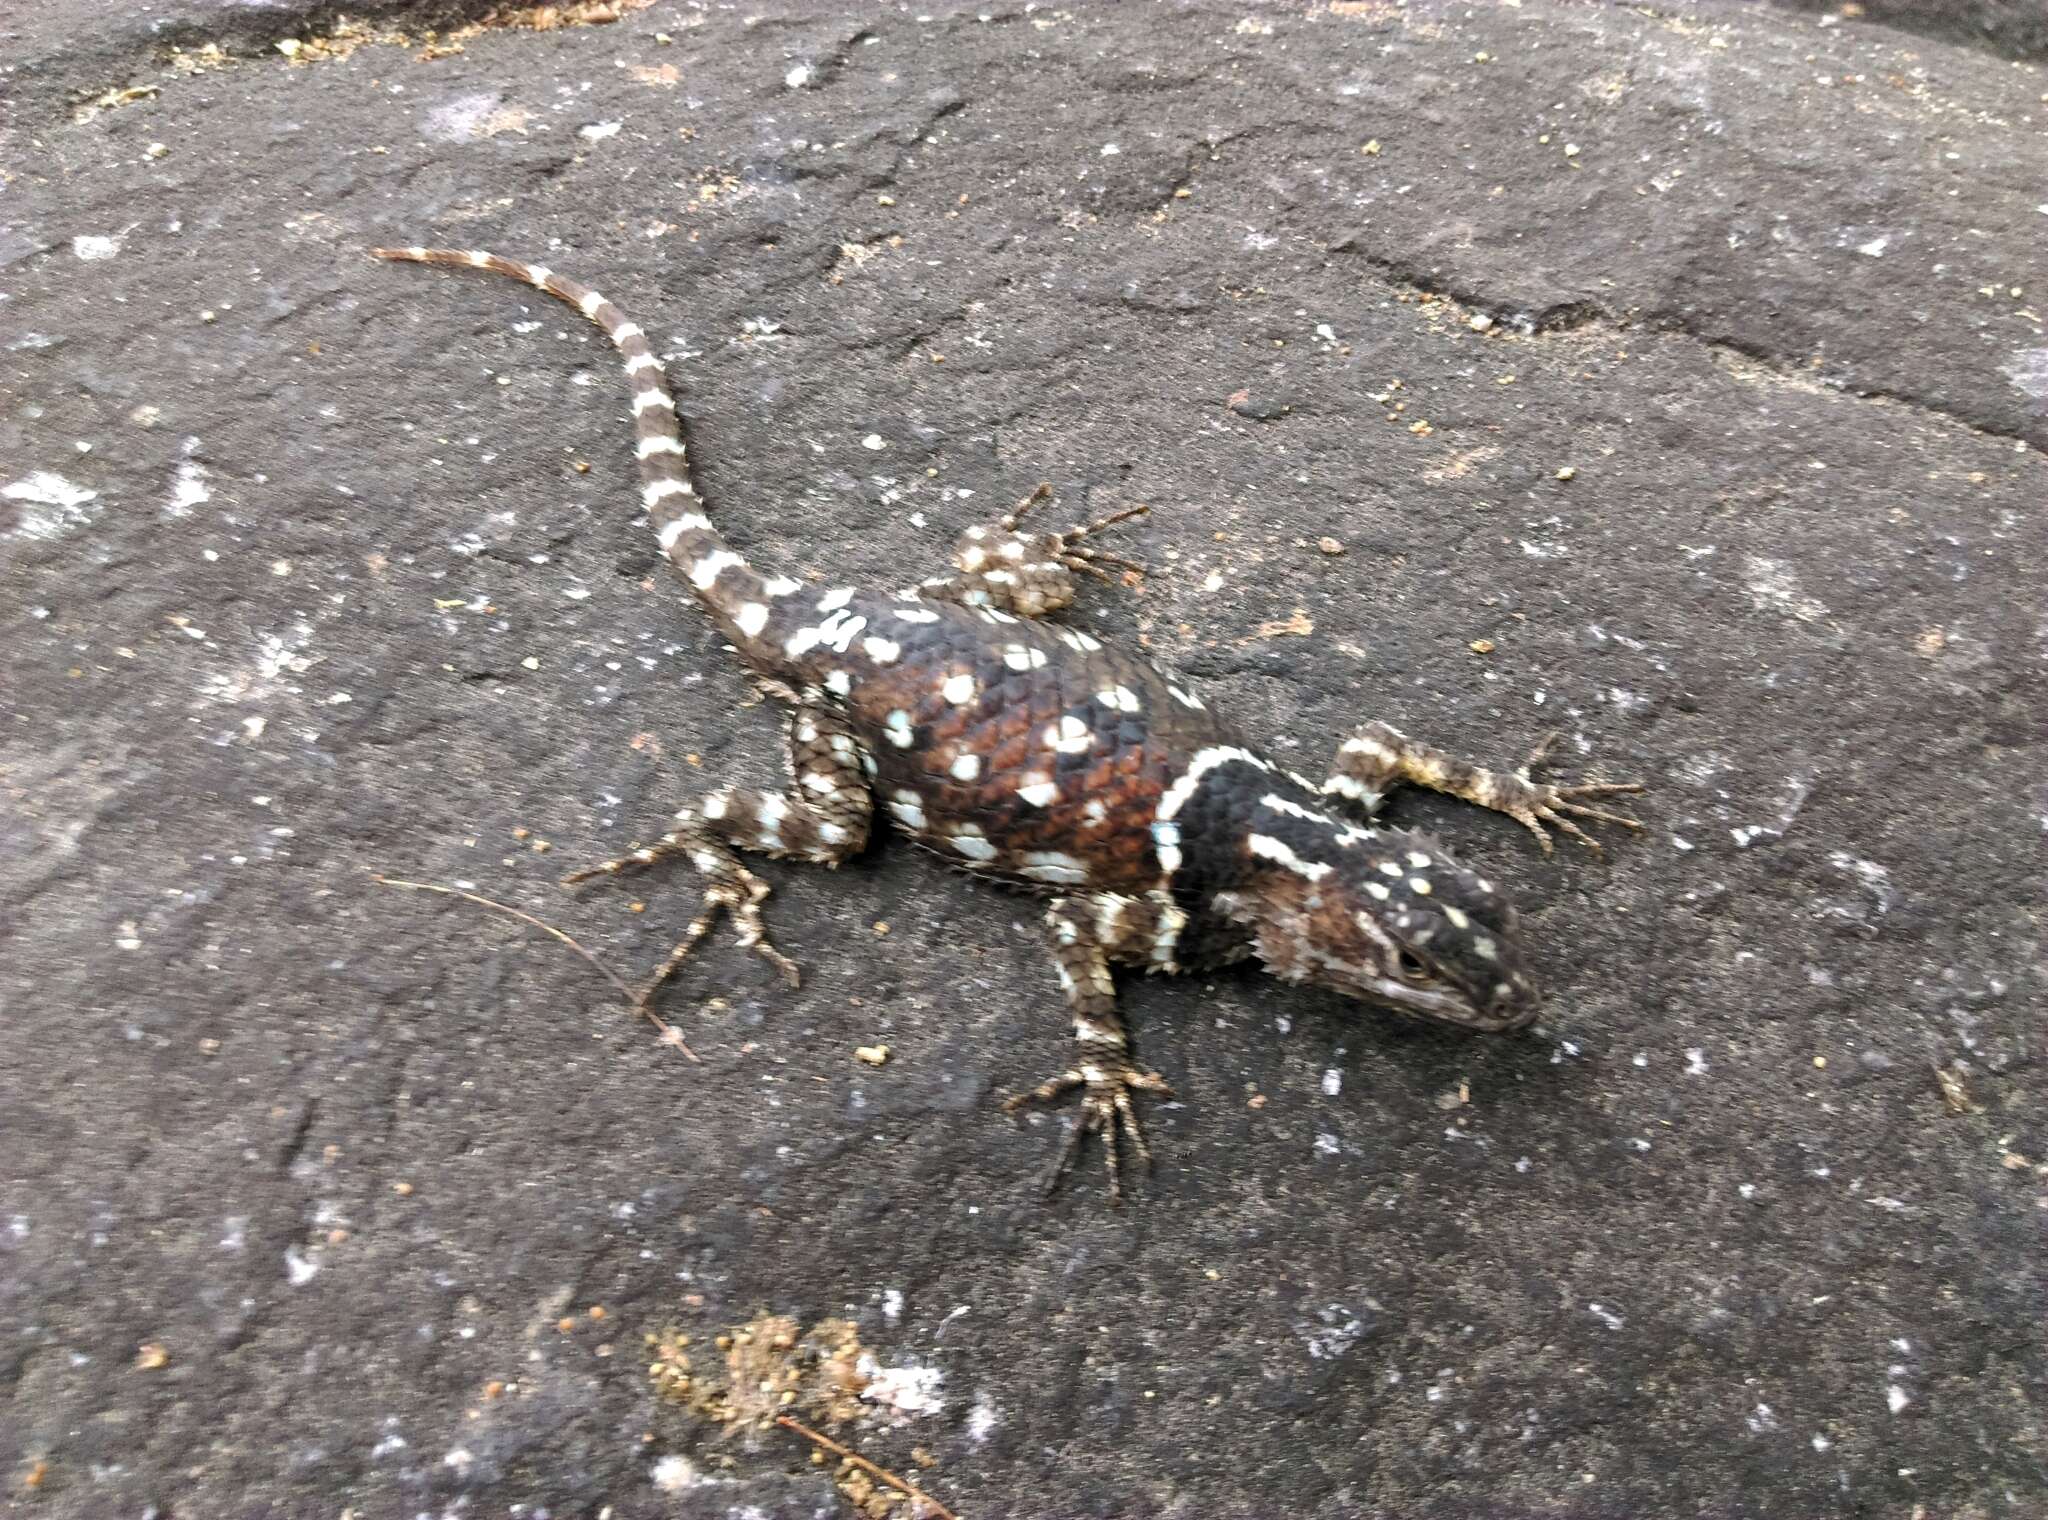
1535	804
732	891
1539	806
1069	549
1106	1109
1067	546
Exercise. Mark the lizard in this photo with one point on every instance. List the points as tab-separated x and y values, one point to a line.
1031	754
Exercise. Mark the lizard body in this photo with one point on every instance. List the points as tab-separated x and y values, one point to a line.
1033	755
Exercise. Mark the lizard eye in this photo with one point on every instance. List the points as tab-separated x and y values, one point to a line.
1411	969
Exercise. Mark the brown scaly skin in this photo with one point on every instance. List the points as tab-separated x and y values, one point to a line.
1032	755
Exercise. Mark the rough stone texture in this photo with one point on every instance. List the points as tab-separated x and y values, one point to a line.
2012	28
341	601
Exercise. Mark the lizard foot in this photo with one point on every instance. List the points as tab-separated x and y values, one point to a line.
732	889
1106	1109
1533	804
1069	548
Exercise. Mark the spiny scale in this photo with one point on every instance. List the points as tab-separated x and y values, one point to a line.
1031	754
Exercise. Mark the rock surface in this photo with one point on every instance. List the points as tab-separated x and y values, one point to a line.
1695	364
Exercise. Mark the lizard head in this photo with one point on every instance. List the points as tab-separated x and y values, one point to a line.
1388	917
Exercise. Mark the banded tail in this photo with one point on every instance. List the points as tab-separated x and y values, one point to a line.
721	577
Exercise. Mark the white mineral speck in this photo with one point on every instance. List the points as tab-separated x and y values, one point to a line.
598	131
298	1269
676	1474
1895	1398
51	505
892	1305
90	247
1695	1062
1333	1082
188	489
912	1390
981	1420
798	77
874	441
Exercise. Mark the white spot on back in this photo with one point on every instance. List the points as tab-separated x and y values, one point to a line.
751	619
959	690
1070	736
966	767
897	728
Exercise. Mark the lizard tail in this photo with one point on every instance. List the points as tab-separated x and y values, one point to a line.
722	578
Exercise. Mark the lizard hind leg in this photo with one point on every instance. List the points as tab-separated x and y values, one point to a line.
1028	574
824	819
730	888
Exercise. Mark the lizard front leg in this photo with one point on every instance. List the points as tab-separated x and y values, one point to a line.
823	819
1377	758
1088	933
1026	574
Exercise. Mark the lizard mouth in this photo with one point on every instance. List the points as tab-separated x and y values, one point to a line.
1447	1006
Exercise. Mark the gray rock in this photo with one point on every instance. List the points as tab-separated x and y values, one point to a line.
1694	362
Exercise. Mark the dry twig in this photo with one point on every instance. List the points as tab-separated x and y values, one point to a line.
670	1035
901	1485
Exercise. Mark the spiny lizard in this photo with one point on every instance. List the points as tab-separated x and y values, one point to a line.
1033	755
